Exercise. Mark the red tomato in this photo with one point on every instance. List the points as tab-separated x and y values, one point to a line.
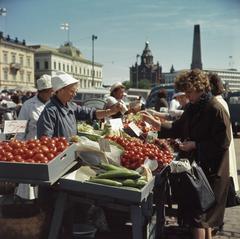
50	156
38	157
44	138
29	154
18	158
9	156
31	145
44	148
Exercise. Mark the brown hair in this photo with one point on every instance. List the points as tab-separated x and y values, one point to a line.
195	79
216	84
162	93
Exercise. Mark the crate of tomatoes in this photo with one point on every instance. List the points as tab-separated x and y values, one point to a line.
35	161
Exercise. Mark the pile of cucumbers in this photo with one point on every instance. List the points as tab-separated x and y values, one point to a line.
119	177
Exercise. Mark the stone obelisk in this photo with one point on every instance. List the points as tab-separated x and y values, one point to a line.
196	53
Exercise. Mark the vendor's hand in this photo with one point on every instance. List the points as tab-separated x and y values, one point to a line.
187	146
114	109
136	108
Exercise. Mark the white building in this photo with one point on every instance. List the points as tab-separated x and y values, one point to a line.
230	78
16	64
69	59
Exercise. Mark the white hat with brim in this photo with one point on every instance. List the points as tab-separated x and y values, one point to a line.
62	80
44	82
178	94
116	86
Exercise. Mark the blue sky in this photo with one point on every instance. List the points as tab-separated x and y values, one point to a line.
124	26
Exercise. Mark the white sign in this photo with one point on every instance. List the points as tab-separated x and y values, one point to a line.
14	126
135	129
116	124
104	145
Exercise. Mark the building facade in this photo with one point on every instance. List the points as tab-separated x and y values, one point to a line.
147	70
16	64
69	59
229	77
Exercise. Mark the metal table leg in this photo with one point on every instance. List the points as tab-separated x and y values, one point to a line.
137	220
57	215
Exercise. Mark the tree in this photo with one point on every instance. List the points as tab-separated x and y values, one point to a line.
127	84
144	84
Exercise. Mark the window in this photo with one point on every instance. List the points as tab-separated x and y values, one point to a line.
21	60
21	76
28	61
63	67
46	65
5	57
71	68
37	65
88	72
55	65
67	68
59	66
13	58
5	75
29	76
80	70
75	69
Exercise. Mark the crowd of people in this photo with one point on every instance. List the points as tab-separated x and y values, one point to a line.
203	126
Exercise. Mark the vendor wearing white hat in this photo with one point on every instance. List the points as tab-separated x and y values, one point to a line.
33	107
117	92
60	115
30	111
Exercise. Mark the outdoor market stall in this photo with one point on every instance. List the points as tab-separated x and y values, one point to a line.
138	202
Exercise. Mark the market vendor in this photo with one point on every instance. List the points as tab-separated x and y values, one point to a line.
204	128
59	118
117	93
33	107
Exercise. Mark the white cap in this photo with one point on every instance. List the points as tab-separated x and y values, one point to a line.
116	85
44	82
178	94
61	80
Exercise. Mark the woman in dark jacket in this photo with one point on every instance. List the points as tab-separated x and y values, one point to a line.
205	128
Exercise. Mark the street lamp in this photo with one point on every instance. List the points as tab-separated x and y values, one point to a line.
3	12
66	27
137	56
94	37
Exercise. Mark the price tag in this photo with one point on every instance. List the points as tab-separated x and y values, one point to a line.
135	129
104	145
147	124
116	124
14	126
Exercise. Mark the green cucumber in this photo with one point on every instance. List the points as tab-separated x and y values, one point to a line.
121	173
110	167
140	183
105	182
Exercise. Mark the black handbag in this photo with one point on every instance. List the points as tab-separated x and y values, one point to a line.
232	198
192	189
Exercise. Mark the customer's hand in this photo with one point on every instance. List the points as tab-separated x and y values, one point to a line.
187	146
151	120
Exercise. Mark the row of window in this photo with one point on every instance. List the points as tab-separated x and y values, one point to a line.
13	57
22	77
83	83
69	69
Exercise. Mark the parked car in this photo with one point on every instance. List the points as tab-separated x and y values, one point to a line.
233	100
150	102
89	93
